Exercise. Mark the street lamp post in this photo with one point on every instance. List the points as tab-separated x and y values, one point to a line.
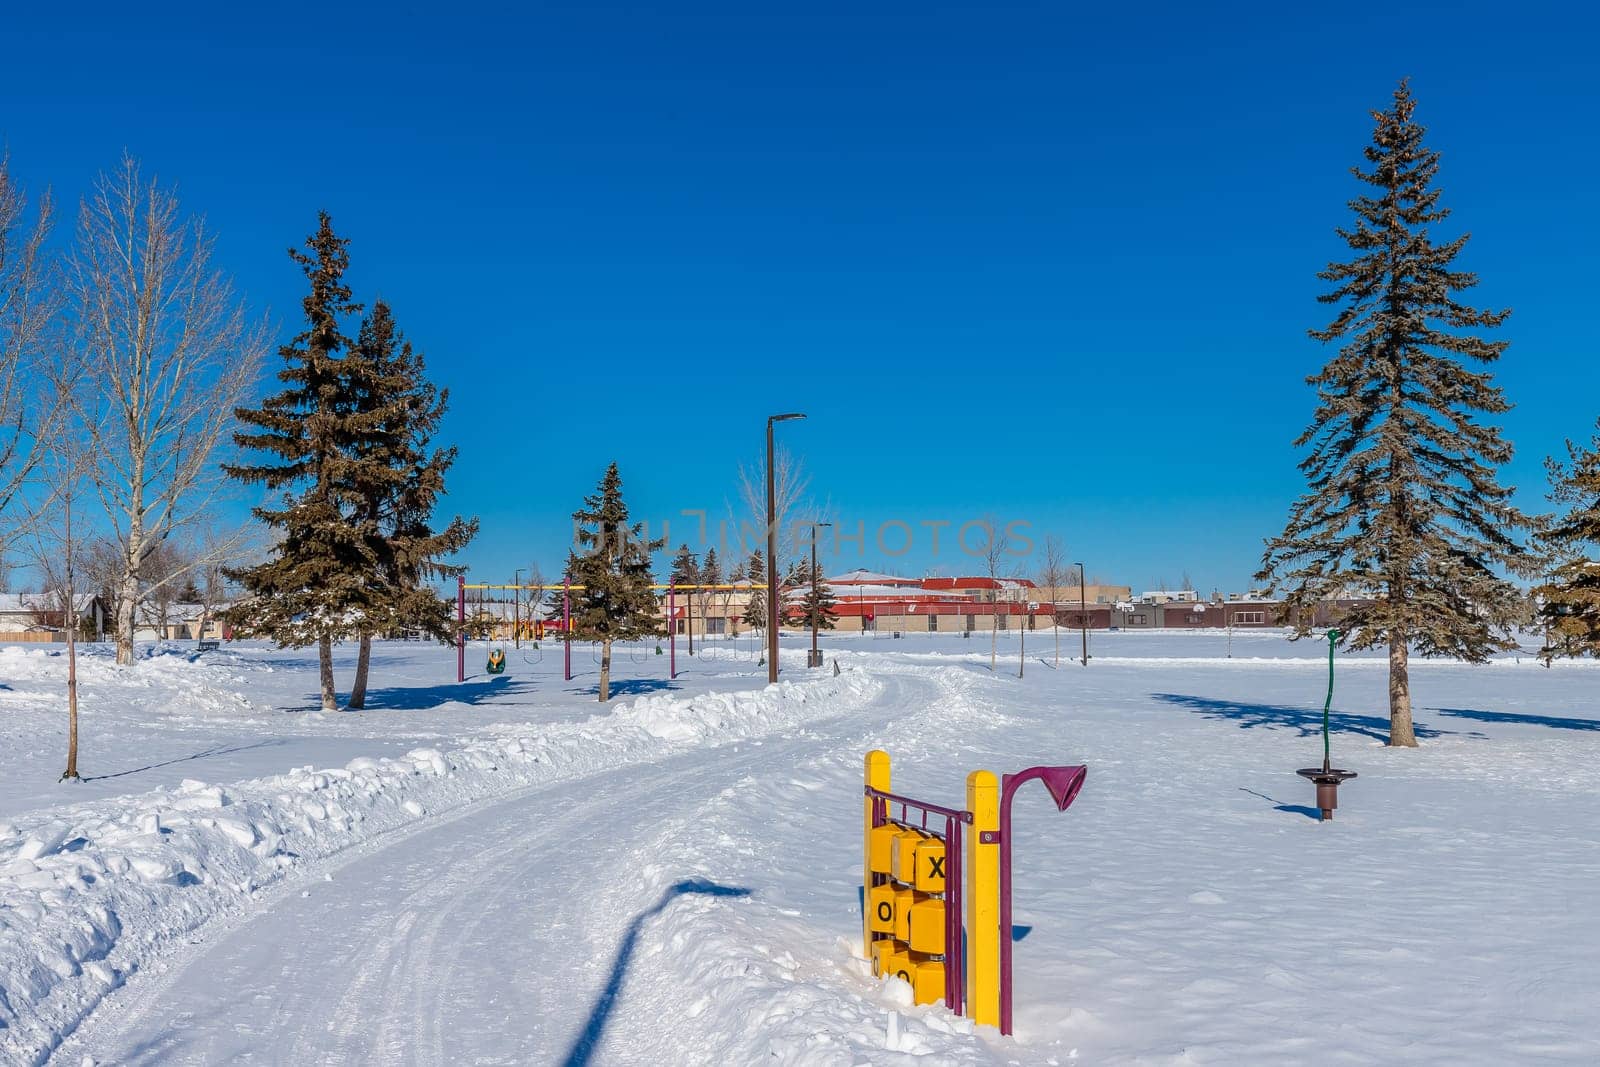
772	551
815	659
516	610
1083	612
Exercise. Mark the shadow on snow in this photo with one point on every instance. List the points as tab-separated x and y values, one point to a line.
473	692
629	687
207	753
594	1027
1291	809
1554	722
1308	721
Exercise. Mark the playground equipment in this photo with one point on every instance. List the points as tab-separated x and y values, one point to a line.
1327	777
936	887
497	661
567	589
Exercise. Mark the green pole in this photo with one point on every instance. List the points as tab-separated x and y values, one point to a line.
1333	639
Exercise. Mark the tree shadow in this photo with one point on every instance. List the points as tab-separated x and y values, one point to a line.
1552	721
207	753
588	1041
1308	721
419	698
631	687
426	697
1292	809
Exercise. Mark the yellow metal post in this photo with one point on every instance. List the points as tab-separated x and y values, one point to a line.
983	898
876	777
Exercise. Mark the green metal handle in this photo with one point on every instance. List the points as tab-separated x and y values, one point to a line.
1333	639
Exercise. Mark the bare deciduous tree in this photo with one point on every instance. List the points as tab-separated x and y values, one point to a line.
795	508
160	590
167	353
995	551
57	547
1055	572
30	411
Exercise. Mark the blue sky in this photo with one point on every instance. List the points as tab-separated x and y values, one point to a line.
1042	261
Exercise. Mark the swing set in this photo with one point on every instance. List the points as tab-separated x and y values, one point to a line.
497	656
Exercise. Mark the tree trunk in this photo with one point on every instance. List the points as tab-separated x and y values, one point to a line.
1401	734
127	600
330	699
72	709
358	689
605	671
994	631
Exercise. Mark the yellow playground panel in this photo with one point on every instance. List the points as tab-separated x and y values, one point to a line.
936	887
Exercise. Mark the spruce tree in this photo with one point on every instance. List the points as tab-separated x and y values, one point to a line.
305	591
711	574
616	602
396	477
819	605
1404	505
685	568
1569	597
685	572
755	612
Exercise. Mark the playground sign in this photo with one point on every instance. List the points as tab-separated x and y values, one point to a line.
936	887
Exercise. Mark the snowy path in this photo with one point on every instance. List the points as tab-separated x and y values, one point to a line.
466	940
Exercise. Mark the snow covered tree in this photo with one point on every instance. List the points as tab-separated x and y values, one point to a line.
755	612
616	602
311	586
1569	597
395	479
1404	504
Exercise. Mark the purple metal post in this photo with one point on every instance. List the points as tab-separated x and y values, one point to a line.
672	630
566	622
955	970
1063	783
461	629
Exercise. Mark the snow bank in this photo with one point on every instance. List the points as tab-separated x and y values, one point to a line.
94	892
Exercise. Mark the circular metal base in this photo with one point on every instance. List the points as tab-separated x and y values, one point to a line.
1327	780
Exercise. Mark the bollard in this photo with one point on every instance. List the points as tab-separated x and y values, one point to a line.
983	898
876	777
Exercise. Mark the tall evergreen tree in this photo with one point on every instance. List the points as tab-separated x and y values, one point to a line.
1404	504
710	574
818	605
306	591
396	479
685	568
1569	597
616	602
685	572
755	571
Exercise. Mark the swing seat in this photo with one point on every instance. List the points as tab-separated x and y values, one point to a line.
497	662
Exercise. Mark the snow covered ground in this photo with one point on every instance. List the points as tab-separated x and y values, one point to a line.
505	872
